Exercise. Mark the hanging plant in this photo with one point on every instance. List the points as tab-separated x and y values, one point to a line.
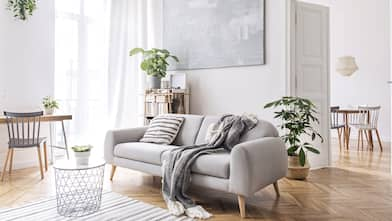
22	8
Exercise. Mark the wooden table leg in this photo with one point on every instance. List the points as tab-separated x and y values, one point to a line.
346	132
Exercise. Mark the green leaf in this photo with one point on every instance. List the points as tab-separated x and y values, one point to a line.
311	149
144	65
175	58
84	148
302	157
313	136
136	51
269	105
292	149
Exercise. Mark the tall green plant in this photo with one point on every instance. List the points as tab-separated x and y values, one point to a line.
155	61
22	8
297	115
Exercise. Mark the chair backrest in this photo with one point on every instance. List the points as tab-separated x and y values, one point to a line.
23	128
371	116
334	116
359	117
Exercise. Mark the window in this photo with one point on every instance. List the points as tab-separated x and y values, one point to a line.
81	41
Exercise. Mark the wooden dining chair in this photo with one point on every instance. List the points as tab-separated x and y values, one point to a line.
24	132
365	121
336	124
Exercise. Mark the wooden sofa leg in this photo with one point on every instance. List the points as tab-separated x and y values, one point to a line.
276	187
241	204
113	171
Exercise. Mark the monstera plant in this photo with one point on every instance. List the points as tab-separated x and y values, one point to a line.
298	117
22	8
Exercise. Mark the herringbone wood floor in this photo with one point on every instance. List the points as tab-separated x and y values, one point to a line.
358	187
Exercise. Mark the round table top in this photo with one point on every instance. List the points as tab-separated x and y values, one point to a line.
72	165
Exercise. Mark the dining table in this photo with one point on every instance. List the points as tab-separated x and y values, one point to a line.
346	111
52	118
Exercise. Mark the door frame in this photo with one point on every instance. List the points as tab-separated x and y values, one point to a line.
291	77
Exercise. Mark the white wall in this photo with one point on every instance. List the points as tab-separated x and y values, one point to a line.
26	67
361	28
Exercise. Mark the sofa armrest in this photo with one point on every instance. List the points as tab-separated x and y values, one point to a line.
256	164
114	137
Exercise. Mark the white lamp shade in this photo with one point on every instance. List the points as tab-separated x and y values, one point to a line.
346	66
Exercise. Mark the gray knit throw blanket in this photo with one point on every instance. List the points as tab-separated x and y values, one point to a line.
177	164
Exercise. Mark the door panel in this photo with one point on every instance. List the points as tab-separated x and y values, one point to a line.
312	68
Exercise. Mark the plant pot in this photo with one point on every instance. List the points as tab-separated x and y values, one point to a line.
82	158
154	82
295	171
49	111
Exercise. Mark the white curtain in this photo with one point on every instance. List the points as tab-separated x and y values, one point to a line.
132	24
95	79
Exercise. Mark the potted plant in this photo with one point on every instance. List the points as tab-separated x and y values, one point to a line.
82	154
50	105
298	116
154	64
22	8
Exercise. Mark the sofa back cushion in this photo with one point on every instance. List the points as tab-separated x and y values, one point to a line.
189	129
262	129
207	121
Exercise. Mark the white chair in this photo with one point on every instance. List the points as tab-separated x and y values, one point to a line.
365	121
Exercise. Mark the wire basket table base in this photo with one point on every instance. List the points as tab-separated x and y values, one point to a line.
79	190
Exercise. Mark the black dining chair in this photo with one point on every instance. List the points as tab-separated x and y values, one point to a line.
24	132
336	124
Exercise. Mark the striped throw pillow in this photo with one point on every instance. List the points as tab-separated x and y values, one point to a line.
163	129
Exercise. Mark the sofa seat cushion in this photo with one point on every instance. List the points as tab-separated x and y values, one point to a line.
216	164
144	152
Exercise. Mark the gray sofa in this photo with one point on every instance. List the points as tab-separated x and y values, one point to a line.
259	160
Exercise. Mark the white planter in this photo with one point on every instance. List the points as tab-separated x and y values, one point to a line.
82	158
49	111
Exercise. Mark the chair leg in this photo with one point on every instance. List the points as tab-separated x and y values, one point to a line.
370	141
340	138
364	135
362	140
11	160
379	139
348	138
5	164
113	171
45	157
276	187
40	162
241	204
359	139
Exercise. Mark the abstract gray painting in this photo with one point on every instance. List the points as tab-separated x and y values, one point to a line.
214	33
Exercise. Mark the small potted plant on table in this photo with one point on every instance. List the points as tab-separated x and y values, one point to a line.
154	64
297	115
82	154
50	105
